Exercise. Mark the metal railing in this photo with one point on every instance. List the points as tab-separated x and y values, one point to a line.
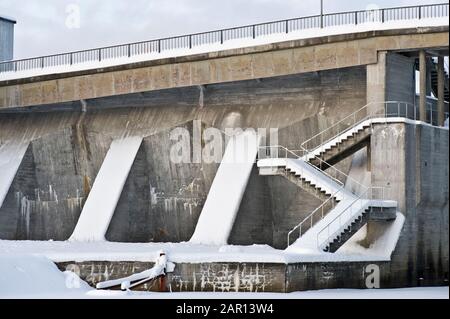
253	31
339	177
335	226
377	109
369	111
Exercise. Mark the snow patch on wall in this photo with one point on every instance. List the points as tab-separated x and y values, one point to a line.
222	204
11	155
105	193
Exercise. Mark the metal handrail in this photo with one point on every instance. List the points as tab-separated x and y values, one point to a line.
383	113
310	217
296	156
349	207
321	207
221	36
354	121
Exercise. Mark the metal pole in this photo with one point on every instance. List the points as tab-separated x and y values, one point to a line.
321	13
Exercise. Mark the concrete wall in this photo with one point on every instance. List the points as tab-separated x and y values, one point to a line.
399	78
51	185
161	200
242	277
413	161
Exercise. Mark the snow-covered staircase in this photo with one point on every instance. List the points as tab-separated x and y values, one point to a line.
339	147
342	222
342	212
305	175
331	224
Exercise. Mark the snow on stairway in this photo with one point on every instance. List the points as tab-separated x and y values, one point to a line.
335	222
315	176
311	241
105	193
336	140
222	204
11	155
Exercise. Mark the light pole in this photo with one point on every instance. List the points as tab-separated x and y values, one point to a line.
321	13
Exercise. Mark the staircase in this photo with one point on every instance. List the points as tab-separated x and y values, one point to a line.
434	81
342	212
344	145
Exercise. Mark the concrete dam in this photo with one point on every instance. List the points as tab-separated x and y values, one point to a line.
347	166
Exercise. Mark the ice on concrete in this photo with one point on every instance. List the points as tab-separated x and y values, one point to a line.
11	155
105	193
224	198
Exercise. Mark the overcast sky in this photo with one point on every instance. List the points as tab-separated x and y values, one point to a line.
51	26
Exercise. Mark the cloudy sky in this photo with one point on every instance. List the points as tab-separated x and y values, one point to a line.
51	26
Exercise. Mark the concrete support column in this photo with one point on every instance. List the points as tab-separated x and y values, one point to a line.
441	84
423	86
376	84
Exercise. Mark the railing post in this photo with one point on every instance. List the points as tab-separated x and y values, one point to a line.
221	36
159	46
99	54
190	41
382	15
420	12
71	58
287	26
321	14
356	17
129	50
42	62
253	31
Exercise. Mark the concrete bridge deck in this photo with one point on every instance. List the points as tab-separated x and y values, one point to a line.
250	63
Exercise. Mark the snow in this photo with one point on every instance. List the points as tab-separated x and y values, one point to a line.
230	44
30	276
37	277
184	252
125	283
105	193
310	173
382	246
11	155
9	18
354	129
222	204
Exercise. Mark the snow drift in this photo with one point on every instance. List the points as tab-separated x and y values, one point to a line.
30	276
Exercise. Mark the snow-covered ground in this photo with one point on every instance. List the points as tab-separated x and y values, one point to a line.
231	44
184	252
38	277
